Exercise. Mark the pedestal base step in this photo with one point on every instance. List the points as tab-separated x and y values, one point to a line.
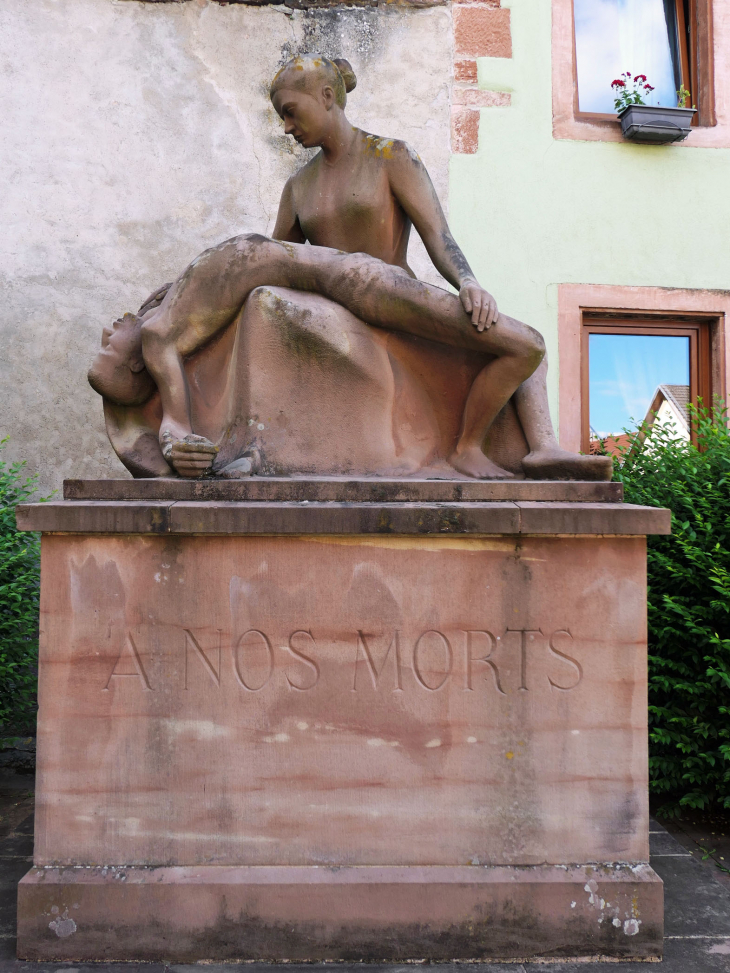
395	913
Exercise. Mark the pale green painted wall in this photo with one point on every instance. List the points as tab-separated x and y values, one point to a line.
532	212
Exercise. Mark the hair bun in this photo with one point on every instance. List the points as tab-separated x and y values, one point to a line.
345	69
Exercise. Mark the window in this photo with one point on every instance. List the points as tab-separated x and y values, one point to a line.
635	367
669	41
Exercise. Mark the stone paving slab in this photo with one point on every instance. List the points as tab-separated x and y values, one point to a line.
662	844
695	901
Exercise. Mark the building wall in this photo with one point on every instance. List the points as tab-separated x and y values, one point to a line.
534	211
137	134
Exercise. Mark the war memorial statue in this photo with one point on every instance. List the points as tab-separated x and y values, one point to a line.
354	203
354	667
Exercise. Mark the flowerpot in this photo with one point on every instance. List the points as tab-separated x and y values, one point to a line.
648	123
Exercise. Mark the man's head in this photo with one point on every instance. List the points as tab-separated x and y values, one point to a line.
118	372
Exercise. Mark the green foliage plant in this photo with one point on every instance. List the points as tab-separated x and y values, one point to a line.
19	602
683	97
688	606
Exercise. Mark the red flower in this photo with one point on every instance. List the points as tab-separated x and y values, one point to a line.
648	87
640	77
628	74
618	83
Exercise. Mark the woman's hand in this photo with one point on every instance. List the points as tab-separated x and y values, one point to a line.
480	304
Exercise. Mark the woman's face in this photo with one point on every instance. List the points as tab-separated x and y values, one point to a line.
306	117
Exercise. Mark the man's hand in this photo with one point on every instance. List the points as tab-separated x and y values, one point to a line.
480	304
192	456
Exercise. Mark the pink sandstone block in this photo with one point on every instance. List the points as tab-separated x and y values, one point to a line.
325	746
482	31
476	98
376	700
465	130
465	71
380	913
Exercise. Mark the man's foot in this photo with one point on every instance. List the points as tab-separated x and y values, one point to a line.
191	456
554	463
473	462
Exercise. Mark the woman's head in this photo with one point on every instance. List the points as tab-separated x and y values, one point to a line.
307	90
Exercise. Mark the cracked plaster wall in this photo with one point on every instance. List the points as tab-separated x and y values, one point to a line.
134	136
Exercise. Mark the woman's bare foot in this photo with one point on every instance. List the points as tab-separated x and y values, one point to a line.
473	462
554	463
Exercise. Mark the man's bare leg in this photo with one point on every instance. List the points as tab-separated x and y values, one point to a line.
211	292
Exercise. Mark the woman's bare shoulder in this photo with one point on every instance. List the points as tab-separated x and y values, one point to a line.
392	150
305	172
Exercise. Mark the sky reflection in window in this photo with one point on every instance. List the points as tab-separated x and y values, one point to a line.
624	372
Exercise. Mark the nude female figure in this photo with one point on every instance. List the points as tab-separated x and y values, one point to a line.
363	193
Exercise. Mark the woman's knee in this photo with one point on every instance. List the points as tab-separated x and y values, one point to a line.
528	343
537	350
511	338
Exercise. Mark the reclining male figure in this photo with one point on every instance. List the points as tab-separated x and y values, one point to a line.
141	352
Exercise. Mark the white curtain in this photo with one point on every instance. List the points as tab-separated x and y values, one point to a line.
613	36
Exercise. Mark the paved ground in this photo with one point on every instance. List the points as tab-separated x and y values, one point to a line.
697	898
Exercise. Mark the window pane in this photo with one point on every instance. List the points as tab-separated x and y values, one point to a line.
625	373
613	36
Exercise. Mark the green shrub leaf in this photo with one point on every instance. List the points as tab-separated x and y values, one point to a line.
688	606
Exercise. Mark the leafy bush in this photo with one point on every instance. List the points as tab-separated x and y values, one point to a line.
689	608
19	598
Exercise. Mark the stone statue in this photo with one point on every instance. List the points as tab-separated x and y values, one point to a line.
245	365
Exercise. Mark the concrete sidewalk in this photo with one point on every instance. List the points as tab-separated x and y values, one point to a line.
697	909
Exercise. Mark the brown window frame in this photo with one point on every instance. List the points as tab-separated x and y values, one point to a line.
696	58
703	330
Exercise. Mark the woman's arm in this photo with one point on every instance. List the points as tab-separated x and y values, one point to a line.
412	187
287	222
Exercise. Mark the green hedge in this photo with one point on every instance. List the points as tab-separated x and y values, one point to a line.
19	597
689	609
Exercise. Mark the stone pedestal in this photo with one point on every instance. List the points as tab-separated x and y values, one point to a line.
408	723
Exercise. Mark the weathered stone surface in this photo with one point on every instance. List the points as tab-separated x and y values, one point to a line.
167	661
482	31
166	107
268	488
305	517
308	4
349	746
382	913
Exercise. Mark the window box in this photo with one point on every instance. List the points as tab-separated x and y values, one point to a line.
656	125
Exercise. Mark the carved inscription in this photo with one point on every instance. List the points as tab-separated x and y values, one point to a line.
192	642
578	675
471	637
440	679
129	657
362	643
247	646
301	635
517	661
